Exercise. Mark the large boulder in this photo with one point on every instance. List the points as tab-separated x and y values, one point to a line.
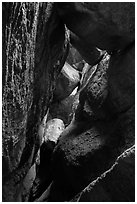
34	51
108	26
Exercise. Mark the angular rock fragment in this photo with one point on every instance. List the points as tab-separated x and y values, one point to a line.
67	81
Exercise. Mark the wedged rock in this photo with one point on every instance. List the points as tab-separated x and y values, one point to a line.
53	129
34	51
49	132
67	81
115	185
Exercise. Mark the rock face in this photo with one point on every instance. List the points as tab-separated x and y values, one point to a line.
104	122
34	51
67	81
116	184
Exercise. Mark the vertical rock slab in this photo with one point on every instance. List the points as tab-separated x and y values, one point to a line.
34	49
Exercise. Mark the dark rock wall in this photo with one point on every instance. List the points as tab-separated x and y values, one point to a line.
108	26
114	185
34	49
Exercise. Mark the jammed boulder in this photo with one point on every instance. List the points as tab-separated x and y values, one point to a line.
67	81
53	129
34	51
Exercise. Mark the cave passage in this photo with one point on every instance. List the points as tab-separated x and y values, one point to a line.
68	101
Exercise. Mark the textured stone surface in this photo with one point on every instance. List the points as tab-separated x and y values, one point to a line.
104	123
53	129
115	185
34	52
84	153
